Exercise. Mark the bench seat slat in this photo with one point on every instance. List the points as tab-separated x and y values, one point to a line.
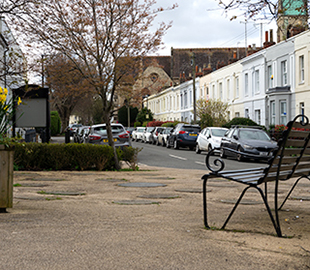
298	125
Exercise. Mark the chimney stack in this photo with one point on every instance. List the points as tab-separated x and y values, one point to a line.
271	42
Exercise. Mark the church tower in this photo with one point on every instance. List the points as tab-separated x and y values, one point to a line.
292	18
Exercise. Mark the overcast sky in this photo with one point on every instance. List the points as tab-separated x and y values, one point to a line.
201	24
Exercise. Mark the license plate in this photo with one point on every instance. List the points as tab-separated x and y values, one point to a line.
192	134
263	153
106	140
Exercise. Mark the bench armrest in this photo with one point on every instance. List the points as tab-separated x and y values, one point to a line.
218	162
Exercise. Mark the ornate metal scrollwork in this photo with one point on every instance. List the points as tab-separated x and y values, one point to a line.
218	162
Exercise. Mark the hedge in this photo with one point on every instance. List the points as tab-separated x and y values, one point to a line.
43	156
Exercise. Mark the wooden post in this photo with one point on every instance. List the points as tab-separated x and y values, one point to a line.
6	178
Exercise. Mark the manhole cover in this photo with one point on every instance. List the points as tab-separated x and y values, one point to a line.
31	185
81	173
301	198
136	202
163	178
245	202
217	180
111	180
159	196
192	190
224	185
141	184
64	193
270	192
26	174
48	179
34	198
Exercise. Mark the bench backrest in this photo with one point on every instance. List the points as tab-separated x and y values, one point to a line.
292	157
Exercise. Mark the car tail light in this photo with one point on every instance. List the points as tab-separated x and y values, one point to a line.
156	133
93	137
124	136
182	132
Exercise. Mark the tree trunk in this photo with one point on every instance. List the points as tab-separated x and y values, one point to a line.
110	137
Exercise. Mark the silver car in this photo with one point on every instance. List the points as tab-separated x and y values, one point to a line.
163	136
98	135
137	134
147	135
209	138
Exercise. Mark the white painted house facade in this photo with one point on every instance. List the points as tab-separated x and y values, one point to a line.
270	86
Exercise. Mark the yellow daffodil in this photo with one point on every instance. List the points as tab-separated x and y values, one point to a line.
2	98
19	101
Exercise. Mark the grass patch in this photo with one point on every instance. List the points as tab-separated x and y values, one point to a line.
53	199
17	185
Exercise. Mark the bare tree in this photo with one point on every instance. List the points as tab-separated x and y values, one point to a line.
67	86
94	35
212	110
12	6
262	9
293	12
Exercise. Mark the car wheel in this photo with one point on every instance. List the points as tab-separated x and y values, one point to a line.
198	151
175	144
209	148
167	144
239	155
222	153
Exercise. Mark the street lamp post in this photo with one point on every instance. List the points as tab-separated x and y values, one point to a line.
194	87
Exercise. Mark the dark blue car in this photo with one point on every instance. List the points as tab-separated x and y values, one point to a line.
183	135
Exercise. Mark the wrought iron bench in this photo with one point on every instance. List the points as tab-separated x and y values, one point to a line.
291	159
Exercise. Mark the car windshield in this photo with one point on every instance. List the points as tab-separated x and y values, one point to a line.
254	135
218	132
149	129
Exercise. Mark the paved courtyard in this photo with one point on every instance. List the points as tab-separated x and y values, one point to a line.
150	219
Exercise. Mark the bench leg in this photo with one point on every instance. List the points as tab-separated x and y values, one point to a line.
205	202
295	184
235	206
276	225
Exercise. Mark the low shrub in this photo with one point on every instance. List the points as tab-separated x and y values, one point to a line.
170	124
154	123
137	124
55	123
240	121
42	156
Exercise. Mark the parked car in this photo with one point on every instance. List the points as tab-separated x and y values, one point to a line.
183	135
76	135
250	140
81	134
137	134
130	130
209	138
155	134
98	135
72	128
147	135
163	136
